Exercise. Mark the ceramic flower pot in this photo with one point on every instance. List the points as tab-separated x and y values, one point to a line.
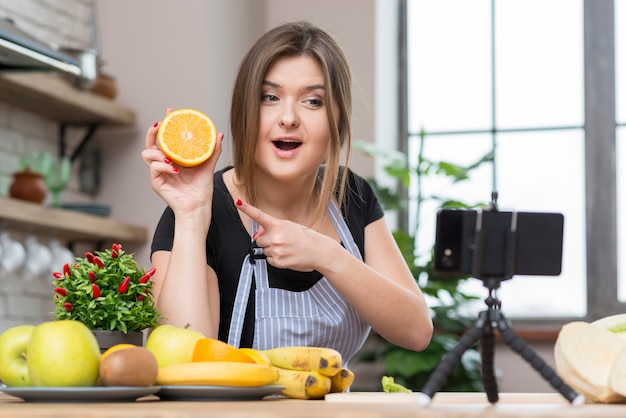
107	339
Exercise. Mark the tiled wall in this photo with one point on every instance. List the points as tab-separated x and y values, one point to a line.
57	22
25	299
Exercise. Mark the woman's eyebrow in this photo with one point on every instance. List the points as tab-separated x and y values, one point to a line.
306	88
271	84
314	87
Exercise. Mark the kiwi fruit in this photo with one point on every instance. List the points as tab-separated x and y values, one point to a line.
134	366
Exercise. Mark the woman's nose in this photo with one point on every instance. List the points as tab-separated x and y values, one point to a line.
289	117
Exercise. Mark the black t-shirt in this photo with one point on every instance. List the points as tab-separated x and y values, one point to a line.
228	243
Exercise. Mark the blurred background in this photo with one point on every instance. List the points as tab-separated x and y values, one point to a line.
524	97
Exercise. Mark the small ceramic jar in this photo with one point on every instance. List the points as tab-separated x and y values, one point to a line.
28	185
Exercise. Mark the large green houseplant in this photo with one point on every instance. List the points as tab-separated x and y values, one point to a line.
446	298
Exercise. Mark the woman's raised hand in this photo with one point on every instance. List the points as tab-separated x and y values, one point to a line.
182	188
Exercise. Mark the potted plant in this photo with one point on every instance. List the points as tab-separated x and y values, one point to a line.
447	300
108	292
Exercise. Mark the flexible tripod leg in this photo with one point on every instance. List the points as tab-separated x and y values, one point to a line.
521	348
487	343
444	368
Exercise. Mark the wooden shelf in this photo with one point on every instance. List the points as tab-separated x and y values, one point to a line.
53	97
69	224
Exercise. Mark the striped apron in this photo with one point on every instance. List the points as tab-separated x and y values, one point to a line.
317	317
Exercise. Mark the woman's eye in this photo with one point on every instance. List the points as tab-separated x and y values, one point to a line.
269	98
315	102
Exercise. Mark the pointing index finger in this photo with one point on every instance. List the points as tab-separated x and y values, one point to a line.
253	212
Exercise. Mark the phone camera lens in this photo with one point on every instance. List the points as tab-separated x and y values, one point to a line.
447	262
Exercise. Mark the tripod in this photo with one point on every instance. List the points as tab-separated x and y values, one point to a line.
483	330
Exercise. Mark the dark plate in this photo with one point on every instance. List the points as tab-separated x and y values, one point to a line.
216	393
80	394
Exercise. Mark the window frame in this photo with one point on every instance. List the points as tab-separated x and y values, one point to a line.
600	126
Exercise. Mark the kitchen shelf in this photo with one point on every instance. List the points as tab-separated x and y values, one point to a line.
52	96
69	224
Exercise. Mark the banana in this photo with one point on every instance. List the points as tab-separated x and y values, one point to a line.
323	360
301	384
341	381
219	373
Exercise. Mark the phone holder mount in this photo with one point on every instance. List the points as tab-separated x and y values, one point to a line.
483	331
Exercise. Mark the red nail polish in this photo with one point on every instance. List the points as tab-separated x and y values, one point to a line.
167	160
175	169
155	124
238	202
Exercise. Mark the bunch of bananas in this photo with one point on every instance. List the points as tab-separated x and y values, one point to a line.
309	372
304	372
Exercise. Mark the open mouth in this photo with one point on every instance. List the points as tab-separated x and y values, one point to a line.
286	145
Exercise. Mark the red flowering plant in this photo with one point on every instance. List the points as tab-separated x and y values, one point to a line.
106	290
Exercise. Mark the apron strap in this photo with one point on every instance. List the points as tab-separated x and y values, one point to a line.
241	302
342	229
254	257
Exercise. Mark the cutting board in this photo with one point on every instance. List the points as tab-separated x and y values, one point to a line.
373	397
448	398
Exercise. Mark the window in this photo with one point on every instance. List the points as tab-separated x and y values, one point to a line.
512	77
620	142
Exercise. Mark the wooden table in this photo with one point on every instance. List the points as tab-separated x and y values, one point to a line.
353	405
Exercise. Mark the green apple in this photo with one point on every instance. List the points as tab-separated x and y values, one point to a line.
614	323
63	353
13	367
172	345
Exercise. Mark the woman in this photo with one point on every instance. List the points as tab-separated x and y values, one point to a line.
286	247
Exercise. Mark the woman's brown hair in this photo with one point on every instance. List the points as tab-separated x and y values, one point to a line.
288	40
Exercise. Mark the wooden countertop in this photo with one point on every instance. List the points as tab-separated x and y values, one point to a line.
355	405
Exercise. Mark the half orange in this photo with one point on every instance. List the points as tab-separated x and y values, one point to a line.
209	349
257	356
187	137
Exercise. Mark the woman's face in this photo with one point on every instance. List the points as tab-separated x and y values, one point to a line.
294	132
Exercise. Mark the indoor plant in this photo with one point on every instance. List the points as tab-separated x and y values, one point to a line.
108	292
446	297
